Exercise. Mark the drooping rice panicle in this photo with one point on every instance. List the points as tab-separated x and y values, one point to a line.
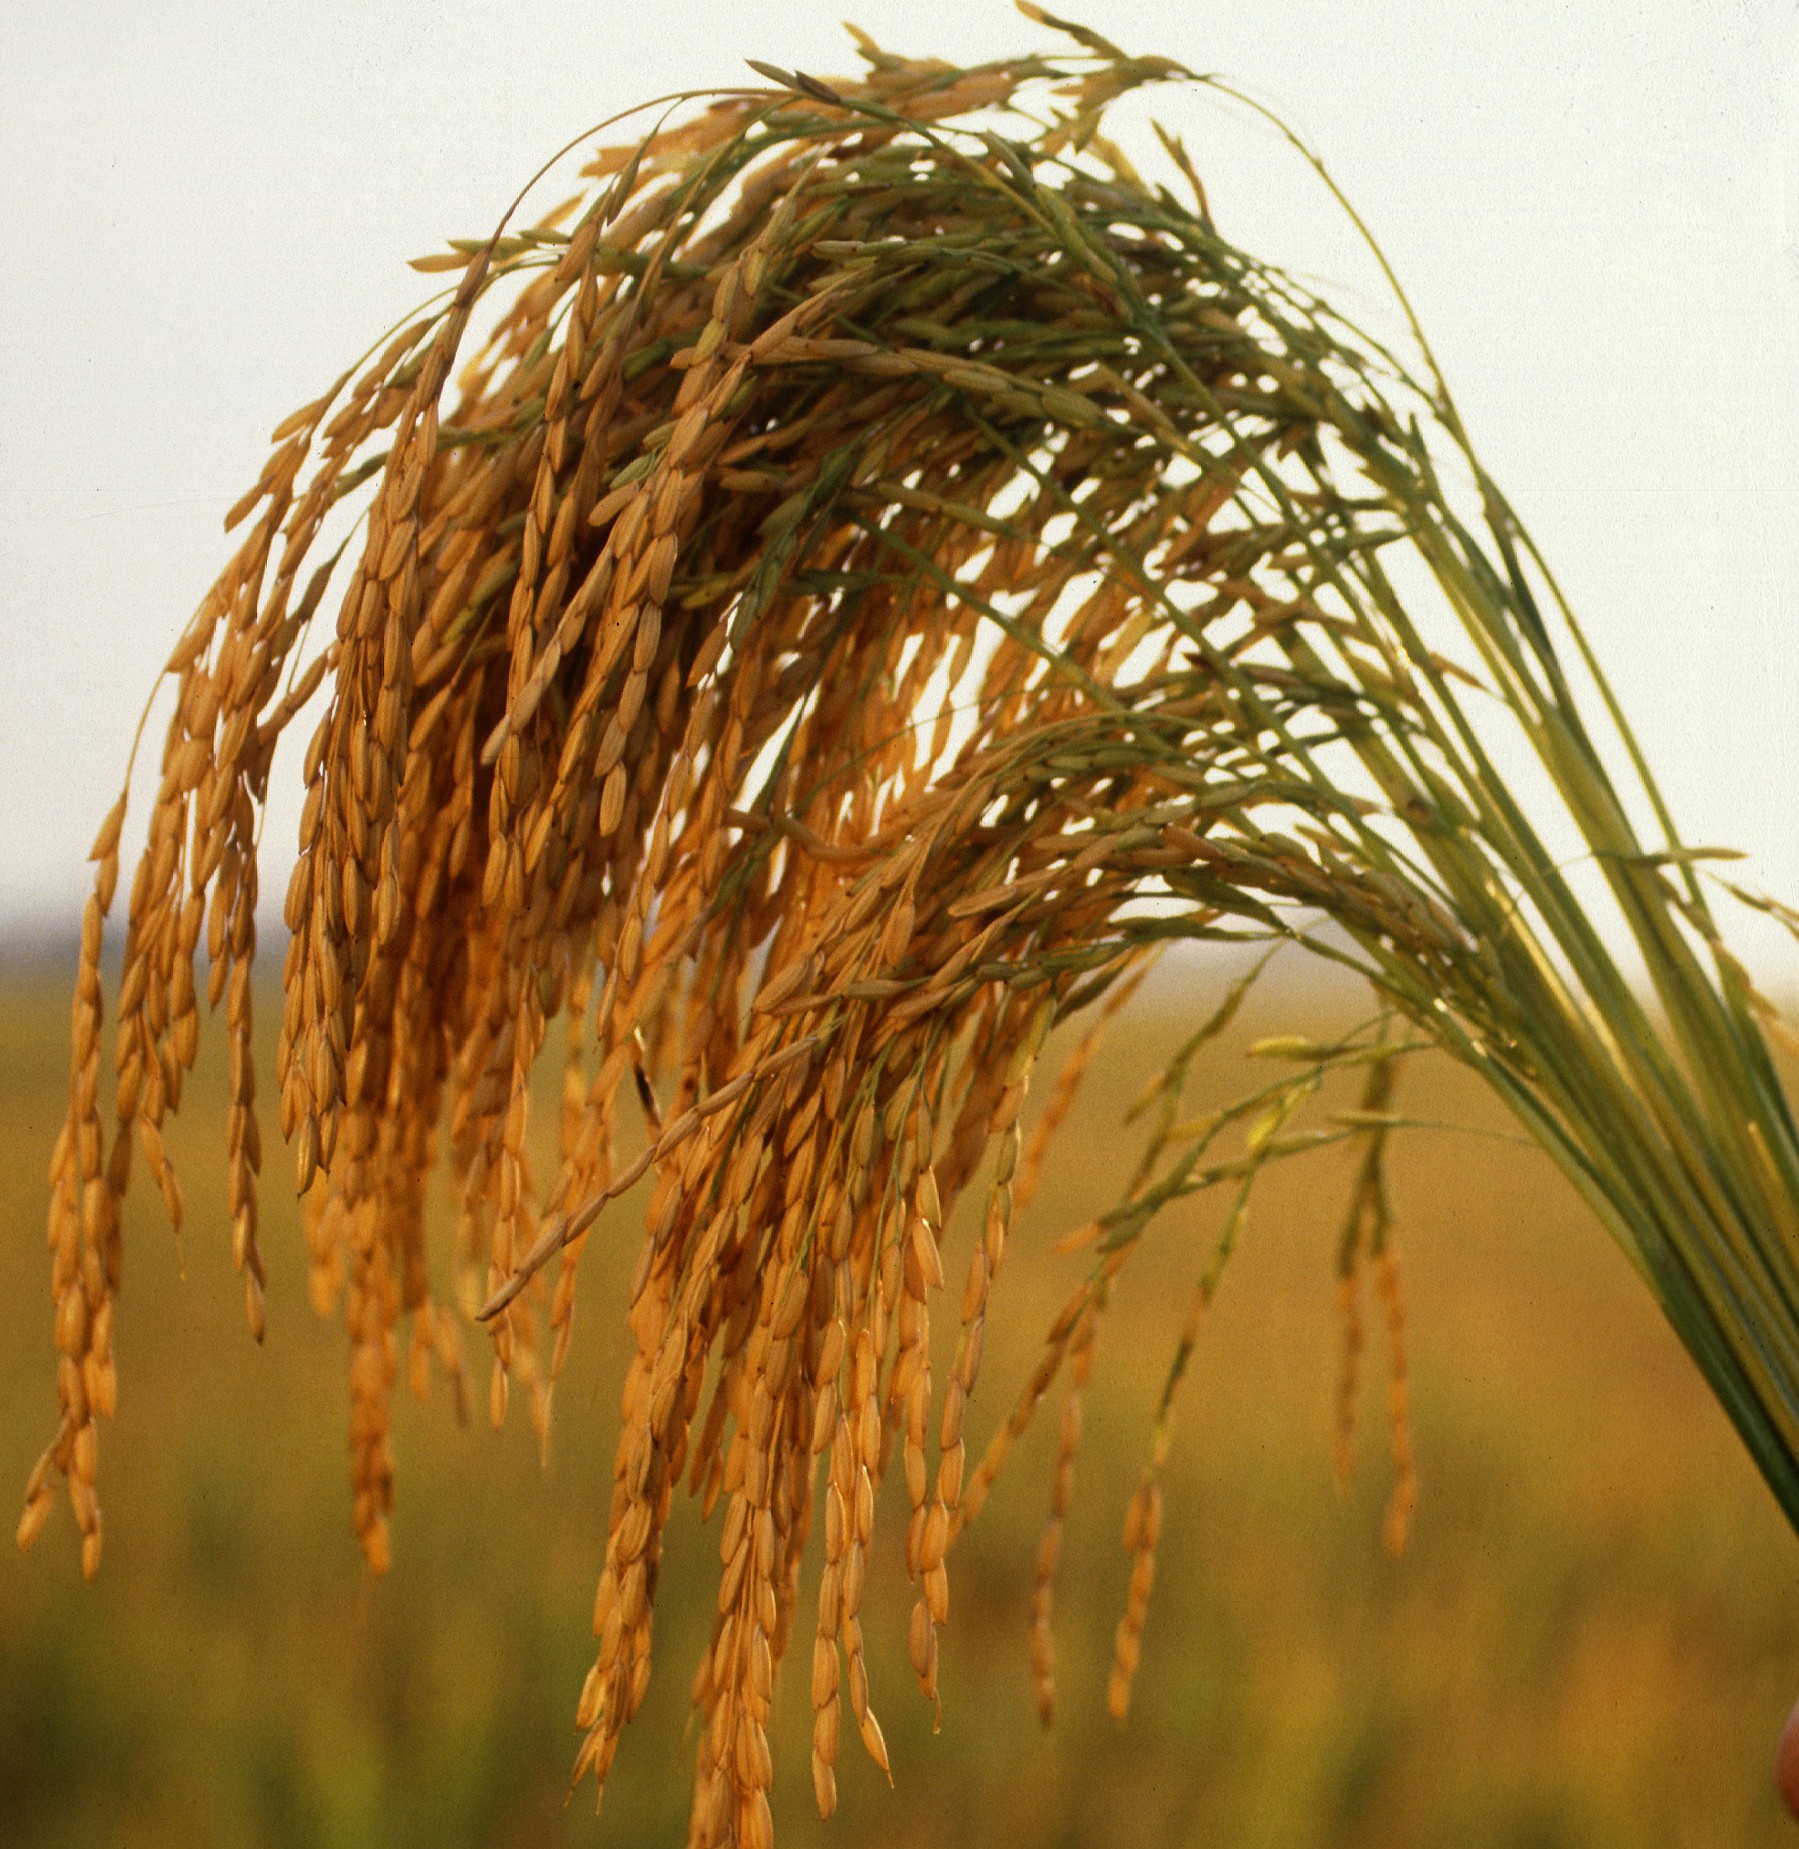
882	570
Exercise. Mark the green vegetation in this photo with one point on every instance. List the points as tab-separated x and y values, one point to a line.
1591	1641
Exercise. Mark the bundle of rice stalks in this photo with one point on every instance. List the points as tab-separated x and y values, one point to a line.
882	571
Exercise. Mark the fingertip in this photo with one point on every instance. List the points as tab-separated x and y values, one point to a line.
1786	1763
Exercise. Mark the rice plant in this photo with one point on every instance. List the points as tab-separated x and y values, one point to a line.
811	612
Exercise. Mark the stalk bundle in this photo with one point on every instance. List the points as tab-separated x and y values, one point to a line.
885	571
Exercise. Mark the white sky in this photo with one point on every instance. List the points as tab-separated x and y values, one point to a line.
1595	208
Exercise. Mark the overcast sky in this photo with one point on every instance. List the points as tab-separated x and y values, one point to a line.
1595	208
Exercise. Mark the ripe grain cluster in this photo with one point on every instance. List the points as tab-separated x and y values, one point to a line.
832	601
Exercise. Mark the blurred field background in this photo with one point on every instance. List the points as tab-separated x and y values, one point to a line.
1592	1641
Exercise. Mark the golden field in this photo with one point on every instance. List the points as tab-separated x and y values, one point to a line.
1592	1640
